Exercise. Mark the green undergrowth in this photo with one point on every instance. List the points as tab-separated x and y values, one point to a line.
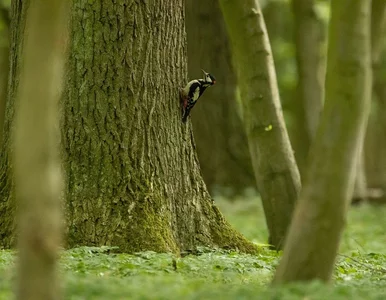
100	273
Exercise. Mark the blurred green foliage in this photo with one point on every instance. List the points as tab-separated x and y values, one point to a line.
5	3
99	273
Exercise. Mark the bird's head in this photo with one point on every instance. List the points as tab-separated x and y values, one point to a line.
208	78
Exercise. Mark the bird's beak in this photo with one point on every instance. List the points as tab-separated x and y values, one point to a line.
204	71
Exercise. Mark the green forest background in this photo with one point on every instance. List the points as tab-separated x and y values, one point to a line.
140	222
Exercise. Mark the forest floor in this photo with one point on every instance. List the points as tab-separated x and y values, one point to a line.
98	273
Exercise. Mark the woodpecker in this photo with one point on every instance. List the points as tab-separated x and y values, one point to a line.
193	91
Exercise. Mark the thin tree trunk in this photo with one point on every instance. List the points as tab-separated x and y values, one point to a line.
360	186
4	63
309	102
376	134
375	144
37	167
378	26
273	161
222	145
319	218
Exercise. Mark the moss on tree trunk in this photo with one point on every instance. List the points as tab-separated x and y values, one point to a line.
133	178
132	173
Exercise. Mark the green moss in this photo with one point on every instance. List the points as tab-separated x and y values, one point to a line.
224	236
150	227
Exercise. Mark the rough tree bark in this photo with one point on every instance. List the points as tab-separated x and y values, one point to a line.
308	104
133	178
7	199
222	145
276	173
318	221
37	168
132	175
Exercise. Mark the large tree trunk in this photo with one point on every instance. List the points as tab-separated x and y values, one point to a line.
132	174
222	145
37	167
133	178
315	231
7	198
273	161
309	101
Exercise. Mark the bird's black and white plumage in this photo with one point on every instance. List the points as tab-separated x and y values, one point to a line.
193	91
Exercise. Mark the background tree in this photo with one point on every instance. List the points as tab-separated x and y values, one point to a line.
222	146
4	60
313	238
37	167
375	146
276	173
360	184
309	41
308	104
279	21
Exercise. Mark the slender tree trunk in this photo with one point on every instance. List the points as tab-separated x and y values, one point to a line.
318	222
279	22
221	141
4	63
274	165
360	186
309	40
309	101
37	167
133	178
375	146
378	26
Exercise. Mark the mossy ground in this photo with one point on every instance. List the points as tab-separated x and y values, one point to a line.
99	273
